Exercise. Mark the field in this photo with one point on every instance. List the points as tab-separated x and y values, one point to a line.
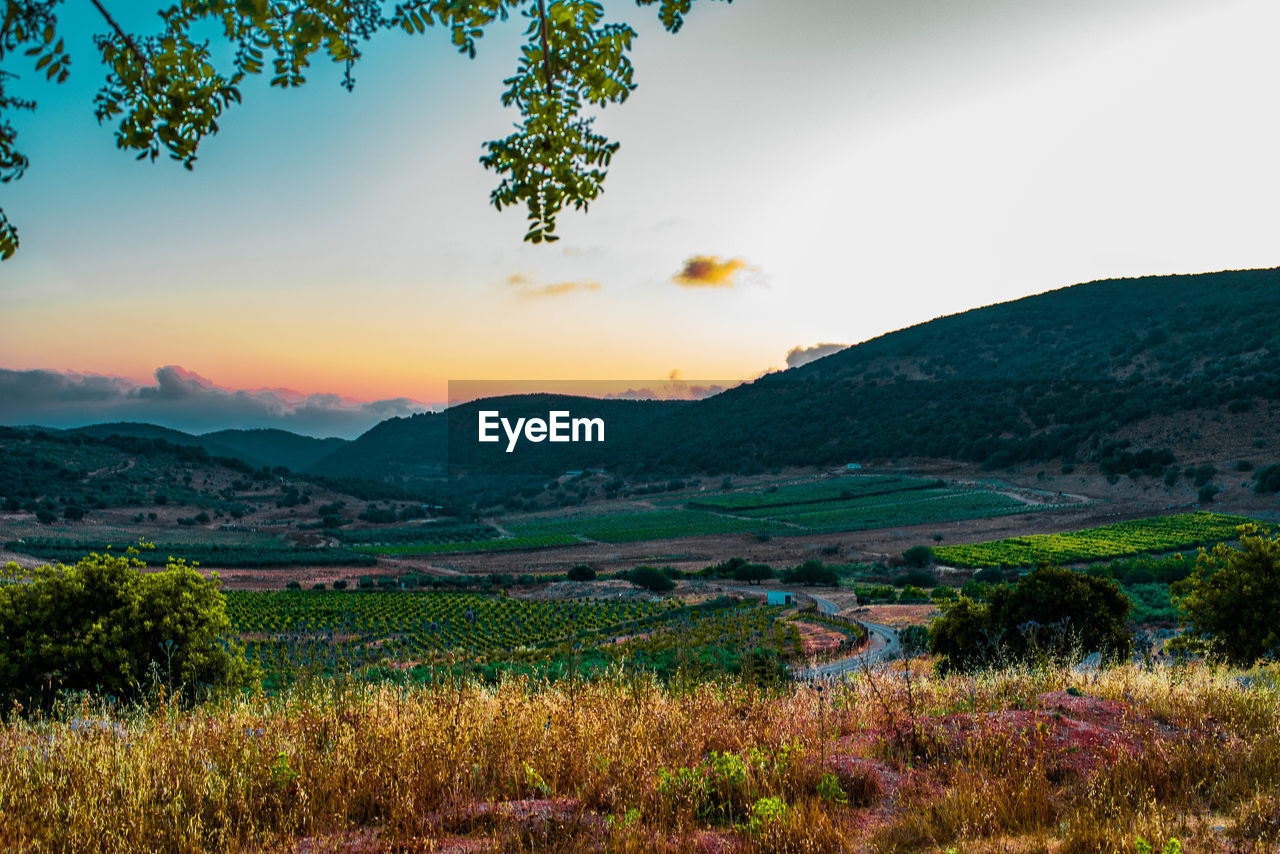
793	509
1042	760
230	554
348	631
811	491
1153	535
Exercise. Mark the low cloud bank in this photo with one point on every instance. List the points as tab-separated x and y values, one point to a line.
184	400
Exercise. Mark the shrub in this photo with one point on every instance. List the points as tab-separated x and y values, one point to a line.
1206	493
581	572
651	578
1268	480
753	573
1232	598
989	575
293	585
103	625
918	556
811	573
340	584
916	578
1050	613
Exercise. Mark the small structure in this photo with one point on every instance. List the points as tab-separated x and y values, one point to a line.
777	597
853	466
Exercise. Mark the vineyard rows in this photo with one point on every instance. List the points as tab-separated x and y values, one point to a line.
1158	534
944	506
230	555
658	525
528	541
808	493
297	627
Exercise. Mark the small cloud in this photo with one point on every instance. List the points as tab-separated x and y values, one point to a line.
708	271
798	356
526	286
559	289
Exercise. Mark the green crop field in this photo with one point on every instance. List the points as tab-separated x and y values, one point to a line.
657	525
833	489
531	541
1157	534
936	507
226	555
328	630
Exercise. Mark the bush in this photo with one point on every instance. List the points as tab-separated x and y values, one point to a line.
1049	614
811	573
753	573
1232	598
651	578
918	556
1268	480
46	517
581	572
915	578
293	585
340	584
989	575
1206	493
104	625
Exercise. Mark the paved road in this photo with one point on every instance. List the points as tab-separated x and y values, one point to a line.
883	646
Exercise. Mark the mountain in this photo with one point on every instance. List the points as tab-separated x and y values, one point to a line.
1065	375
1060	375
268	448
274	447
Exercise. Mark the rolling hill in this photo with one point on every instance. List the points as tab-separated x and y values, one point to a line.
1057	376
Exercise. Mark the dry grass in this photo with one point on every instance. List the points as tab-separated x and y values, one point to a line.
1008	761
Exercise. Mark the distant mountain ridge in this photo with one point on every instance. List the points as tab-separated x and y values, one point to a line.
1050	376
258	447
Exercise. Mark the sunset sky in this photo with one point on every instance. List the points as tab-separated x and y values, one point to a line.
817	171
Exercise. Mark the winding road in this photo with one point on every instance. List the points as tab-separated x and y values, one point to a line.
883	644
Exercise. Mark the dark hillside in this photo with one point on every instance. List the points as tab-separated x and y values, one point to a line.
1045	377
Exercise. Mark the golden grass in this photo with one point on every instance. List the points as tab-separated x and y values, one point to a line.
1004	761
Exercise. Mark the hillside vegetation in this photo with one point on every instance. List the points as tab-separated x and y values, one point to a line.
1052	376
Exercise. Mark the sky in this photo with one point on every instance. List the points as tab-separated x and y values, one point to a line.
792	176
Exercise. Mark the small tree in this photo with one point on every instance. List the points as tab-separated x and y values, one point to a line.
1232	600
581	572
103	624
812	572
753	573
651	578
918	556
1048	615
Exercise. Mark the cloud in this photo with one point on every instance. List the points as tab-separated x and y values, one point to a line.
184	400
674	388
798	356
708	271
558	289
525	284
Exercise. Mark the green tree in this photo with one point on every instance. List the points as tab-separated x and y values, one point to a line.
581	572
753	573
103	625
812	572
1049	614
166	92
919	556
1232	599
651	578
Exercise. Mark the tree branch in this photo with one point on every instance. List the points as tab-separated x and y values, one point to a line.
121	33
546	47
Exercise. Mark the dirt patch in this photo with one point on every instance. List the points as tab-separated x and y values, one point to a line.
819	640
896	616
